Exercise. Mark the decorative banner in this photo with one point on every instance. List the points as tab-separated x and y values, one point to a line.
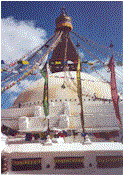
79	91
44	73
114	89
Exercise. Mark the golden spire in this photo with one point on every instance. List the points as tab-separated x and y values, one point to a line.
64	22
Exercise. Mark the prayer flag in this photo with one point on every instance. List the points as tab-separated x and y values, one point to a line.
44	73
114	94
79	90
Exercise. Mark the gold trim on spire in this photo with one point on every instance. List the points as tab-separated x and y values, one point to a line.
64	22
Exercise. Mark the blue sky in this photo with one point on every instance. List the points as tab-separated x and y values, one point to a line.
27	24
101	21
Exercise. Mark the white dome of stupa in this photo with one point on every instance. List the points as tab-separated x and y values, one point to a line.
91	87
64	107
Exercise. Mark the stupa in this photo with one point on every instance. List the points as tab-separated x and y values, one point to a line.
67	104
63	97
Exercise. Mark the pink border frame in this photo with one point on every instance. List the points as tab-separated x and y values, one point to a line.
123	74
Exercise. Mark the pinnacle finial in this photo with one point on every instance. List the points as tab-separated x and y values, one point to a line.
64	22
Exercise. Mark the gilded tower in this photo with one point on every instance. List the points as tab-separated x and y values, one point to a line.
64	54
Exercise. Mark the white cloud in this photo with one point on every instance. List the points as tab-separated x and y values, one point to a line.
18	38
